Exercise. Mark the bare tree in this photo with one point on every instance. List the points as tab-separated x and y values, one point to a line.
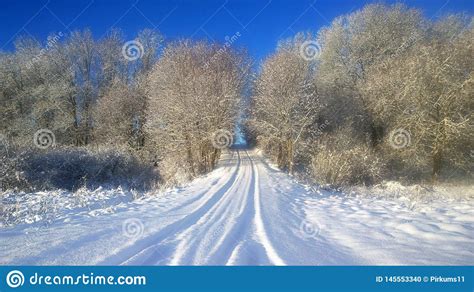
428	92
120	115
286	104
375	34
33	91
195	89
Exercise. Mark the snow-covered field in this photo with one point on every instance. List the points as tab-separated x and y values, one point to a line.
243	213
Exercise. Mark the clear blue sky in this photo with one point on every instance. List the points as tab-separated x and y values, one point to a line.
261	23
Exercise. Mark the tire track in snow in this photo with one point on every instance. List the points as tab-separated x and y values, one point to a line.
203	192
230	231
258	221
201	240
248	213
211	238
233	230
239	228
124	256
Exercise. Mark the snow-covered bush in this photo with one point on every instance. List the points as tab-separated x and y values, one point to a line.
358	165
11	164
415	195
343	159
72	168
44	207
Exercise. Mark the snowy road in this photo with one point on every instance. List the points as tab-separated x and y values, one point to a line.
247	213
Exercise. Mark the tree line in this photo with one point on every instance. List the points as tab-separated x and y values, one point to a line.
172	106
382	92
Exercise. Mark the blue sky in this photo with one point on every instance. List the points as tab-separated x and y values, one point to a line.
261	23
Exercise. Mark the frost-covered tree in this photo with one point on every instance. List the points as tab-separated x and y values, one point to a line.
33	91
427	91
286	103
120	114
387	76
352	43
195	89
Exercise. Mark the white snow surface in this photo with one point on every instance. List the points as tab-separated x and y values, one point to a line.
243	213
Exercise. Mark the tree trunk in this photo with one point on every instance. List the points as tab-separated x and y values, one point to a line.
215	154
280	156
189	154
290	156
437	165
438	148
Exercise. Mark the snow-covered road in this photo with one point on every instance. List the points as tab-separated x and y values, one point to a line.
247	213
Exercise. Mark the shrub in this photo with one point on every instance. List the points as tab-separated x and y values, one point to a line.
71	168
343	160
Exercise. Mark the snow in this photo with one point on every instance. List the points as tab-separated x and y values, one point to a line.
46	206
243	213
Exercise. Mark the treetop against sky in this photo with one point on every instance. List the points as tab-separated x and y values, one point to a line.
259	25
